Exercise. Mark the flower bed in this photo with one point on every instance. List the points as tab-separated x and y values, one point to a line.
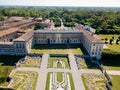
30	61
94	81
23	80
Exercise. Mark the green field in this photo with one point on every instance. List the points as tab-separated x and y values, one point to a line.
52	59
6	65
114	47
115	82
103	36
58	49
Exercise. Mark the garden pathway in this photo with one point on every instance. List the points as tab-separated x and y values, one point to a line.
75	73
41	83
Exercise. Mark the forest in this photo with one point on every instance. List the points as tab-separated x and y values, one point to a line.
105	21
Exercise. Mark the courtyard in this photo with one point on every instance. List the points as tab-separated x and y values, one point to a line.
58	49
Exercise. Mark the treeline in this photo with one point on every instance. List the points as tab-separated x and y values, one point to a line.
104	21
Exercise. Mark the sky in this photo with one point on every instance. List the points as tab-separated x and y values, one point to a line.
75	3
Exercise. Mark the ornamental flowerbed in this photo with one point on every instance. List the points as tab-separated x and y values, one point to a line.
23	80
94	81
30	61
81	63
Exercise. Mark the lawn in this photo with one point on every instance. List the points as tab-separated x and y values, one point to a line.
53	59
59	77
23	80
48	81
58	49
111	64
114	47
115	82
6	65
103	36
71	81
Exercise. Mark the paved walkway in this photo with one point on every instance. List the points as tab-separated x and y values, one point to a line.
75	73
43	74
41	82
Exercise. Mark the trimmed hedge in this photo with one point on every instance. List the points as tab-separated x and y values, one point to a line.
109	54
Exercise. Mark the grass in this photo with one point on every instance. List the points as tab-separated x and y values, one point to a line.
84	82
114	47
111	64
59	77
71	81
115	82
59	65
6	65
58	49
53	59
103	36
48	81
59	74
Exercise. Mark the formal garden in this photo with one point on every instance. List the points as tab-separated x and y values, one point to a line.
58	62
58	49
59	81
6	65
23	80
30	61
83	63
94	81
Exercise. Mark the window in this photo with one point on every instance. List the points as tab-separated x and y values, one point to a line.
16	46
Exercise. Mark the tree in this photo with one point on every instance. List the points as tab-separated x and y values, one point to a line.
111	40
2	18
113	37
117	41
106	39
39	26
119	37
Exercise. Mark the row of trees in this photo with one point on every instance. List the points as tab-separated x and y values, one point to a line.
112	40
104	21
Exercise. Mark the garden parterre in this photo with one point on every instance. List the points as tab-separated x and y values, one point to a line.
23	80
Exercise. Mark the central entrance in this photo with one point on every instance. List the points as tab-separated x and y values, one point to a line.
68	41
48	40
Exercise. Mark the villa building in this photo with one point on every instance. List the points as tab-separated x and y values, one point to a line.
18	41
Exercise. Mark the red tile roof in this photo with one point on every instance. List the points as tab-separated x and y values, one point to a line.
26	36
88	34
8	31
